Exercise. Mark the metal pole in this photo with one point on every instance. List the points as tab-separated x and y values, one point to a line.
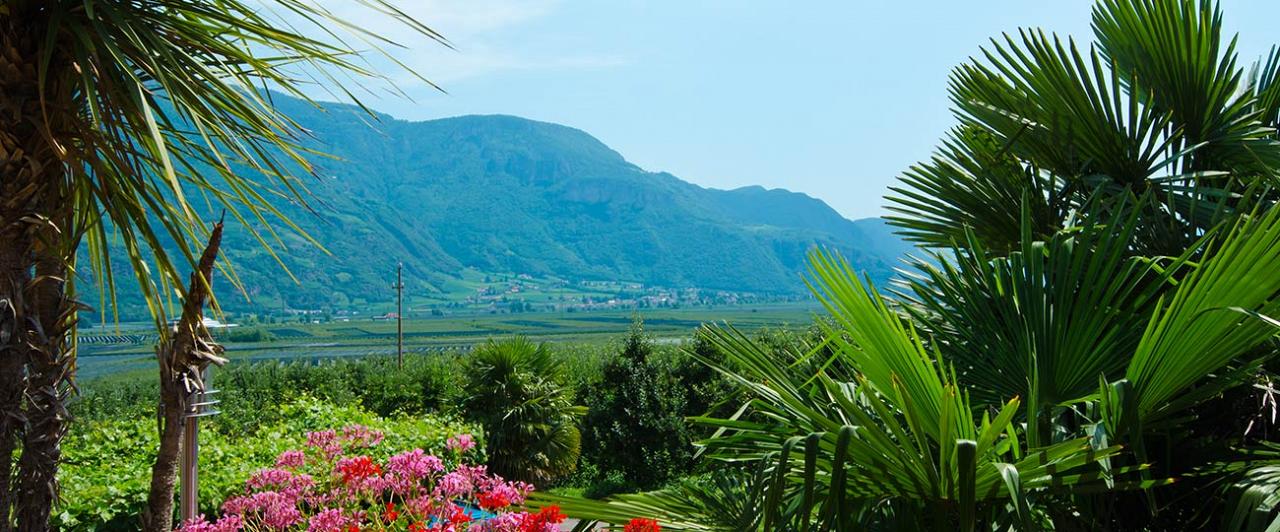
189	489
198	406
189	483
399	316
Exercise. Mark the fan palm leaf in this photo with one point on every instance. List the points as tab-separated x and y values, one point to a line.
1046	321
1218	314
838	449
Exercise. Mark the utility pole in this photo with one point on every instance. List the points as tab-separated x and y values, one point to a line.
399	316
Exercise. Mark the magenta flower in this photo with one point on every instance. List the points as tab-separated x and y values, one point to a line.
198	524
454	484
461	443
414	465
329	487
330	520
325	441
230	523
270	478
292	459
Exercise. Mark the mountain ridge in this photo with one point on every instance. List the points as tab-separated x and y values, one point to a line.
501	193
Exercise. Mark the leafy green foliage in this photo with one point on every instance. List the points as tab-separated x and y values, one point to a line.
514	392
250	391
1044	321
635	419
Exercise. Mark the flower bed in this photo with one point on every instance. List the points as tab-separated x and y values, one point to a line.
334	484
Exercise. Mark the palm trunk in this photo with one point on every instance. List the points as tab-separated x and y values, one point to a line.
183	356
164	473
38	241
50	370
14	274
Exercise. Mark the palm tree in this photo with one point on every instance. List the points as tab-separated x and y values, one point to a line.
528	415
1100	292
1157	105
117	117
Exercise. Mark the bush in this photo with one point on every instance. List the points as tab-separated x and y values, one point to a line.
515	393
427	384
635	420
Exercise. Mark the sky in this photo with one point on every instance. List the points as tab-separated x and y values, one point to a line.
831	98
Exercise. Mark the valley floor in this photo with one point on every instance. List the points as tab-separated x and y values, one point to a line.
128	348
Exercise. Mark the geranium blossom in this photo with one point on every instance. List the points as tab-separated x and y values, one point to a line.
291	459
414	465
461	443
640	524
330	520
335	484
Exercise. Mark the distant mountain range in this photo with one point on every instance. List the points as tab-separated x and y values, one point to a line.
507	194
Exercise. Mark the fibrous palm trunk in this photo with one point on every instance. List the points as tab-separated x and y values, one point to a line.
183	355
14	275
38	239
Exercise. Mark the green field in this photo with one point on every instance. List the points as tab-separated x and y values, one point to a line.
130	348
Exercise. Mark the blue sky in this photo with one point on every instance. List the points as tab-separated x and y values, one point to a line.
830	98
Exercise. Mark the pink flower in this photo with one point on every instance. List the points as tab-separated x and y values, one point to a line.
454	484
282	516
198	524
414	465
292	459
461	443
501	523
325	441
349	490
269	478
230	523
330	520
422	506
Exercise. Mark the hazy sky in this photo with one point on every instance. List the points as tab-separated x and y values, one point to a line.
830	98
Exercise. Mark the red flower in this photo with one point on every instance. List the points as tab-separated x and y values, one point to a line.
353	528
358	468
417	527
641	524
493	500
459	515
538	522
392	514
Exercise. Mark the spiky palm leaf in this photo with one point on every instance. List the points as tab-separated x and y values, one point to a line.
529	419
169	109
1219	314
839	449
1045	321
1157	104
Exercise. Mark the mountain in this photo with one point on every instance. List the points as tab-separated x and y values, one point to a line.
507	194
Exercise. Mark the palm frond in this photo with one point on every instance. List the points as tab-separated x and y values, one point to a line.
155	104
1217	315
1046	321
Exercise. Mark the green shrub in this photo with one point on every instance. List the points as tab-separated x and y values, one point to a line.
635	422
515	393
